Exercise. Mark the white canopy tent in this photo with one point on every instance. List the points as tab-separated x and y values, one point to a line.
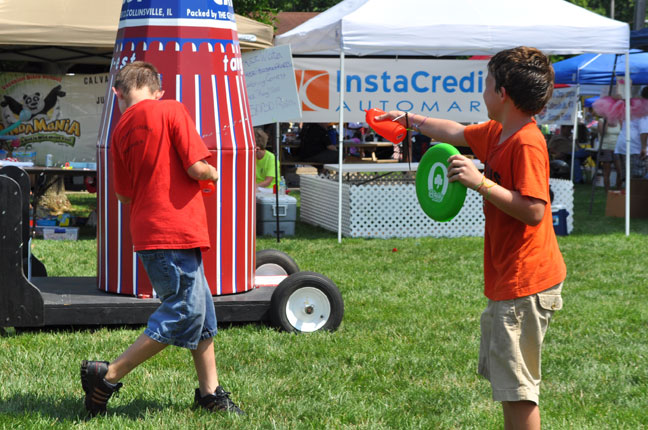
75	31
456	28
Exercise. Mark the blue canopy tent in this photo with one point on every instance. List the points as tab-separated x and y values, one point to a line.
639	39
602	69
599	69
590	101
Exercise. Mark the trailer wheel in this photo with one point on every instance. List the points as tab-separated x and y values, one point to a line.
273	262
306	302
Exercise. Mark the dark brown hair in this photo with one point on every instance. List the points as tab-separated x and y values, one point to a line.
526	74
135	75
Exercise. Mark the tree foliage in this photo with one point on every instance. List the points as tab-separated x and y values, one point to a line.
266	10
623	9
247	6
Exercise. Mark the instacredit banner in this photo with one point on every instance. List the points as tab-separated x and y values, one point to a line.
450	89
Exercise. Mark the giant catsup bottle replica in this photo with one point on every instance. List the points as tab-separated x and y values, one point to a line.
194	45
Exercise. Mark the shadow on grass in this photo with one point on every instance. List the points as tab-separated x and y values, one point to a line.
303	231
25	406
72	328
17	331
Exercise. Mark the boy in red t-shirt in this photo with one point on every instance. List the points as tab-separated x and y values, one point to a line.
523	267
158	159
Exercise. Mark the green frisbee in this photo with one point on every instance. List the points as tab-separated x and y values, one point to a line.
440	199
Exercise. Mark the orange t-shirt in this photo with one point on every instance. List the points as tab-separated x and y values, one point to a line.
152	146
519	259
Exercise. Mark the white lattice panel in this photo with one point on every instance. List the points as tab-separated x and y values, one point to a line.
384	209
564	196
319	203
393	211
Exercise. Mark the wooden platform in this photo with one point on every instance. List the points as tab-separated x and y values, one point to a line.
77	301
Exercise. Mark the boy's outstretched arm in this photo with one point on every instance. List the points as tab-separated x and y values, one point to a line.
529	210
202	171
441	130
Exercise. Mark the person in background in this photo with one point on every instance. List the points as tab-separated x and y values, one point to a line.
638	145
420	144
333	134
560	148
608	136
158	159
317	145
353	133
266	171
523	267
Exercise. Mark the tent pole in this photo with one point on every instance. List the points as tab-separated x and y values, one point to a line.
277	177
627	136
601	136
340	144
574	137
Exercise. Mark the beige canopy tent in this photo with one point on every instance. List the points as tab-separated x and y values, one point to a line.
78	31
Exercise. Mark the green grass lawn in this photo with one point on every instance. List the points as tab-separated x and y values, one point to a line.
405	356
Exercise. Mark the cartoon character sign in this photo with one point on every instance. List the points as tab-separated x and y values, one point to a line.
35	103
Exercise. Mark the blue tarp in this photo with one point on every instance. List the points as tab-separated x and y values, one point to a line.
639	38
597	69
590	101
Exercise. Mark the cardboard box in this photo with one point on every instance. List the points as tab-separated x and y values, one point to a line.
639	187
60	233
615	204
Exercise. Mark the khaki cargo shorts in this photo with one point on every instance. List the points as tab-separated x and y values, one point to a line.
512	332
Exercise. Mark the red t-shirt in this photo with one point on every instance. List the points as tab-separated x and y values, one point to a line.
519	259
152	146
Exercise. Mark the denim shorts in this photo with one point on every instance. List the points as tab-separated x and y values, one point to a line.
186	315
512	333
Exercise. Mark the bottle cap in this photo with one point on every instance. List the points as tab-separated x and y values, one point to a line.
207	187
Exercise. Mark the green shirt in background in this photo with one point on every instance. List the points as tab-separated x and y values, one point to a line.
266	167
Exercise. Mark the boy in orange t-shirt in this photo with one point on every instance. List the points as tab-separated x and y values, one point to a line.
523	267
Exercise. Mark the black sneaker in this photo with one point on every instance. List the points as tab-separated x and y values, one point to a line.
219	401
97	389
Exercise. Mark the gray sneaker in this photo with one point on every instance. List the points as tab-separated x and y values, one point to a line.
219	401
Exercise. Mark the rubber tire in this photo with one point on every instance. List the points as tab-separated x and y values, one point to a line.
293	283
287	266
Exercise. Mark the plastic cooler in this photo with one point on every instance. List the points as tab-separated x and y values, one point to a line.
559	216
60	233
267	211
